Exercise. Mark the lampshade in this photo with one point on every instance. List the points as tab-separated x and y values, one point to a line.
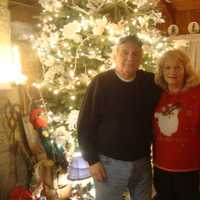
78	168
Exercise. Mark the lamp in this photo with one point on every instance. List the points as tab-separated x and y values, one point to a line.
78	168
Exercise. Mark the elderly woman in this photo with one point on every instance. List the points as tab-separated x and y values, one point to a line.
177	129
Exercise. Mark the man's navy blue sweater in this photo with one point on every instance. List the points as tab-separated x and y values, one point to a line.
115	118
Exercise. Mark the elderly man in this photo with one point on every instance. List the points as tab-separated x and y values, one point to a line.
115	126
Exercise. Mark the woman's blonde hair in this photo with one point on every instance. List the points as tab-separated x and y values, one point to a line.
191	79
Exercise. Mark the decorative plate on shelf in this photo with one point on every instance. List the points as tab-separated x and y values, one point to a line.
173	29
193	27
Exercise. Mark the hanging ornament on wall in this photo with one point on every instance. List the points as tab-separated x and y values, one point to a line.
193	27
173	29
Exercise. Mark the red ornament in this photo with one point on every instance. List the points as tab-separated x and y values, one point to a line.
37	120
20	193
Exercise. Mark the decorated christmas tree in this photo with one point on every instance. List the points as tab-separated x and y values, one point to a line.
75	42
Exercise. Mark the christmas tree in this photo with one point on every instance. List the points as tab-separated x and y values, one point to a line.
75	42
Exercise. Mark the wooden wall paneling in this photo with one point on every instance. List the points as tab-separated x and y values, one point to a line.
186	4
183	18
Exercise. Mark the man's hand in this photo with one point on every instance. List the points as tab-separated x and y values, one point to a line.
98	172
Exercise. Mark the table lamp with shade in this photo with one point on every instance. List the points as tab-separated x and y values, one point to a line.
79	174
78	168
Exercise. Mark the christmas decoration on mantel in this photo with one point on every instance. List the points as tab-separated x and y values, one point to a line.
75	42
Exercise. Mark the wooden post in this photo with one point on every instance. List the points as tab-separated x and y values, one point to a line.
10	153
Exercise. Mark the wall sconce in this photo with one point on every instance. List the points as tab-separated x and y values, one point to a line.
10	69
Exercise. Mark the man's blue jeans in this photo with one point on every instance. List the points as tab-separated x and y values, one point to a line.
122	175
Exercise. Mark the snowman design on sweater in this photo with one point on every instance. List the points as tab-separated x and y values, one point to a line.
168	119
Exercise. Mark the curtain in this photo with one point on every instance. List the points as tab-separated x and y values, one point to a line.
192	49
